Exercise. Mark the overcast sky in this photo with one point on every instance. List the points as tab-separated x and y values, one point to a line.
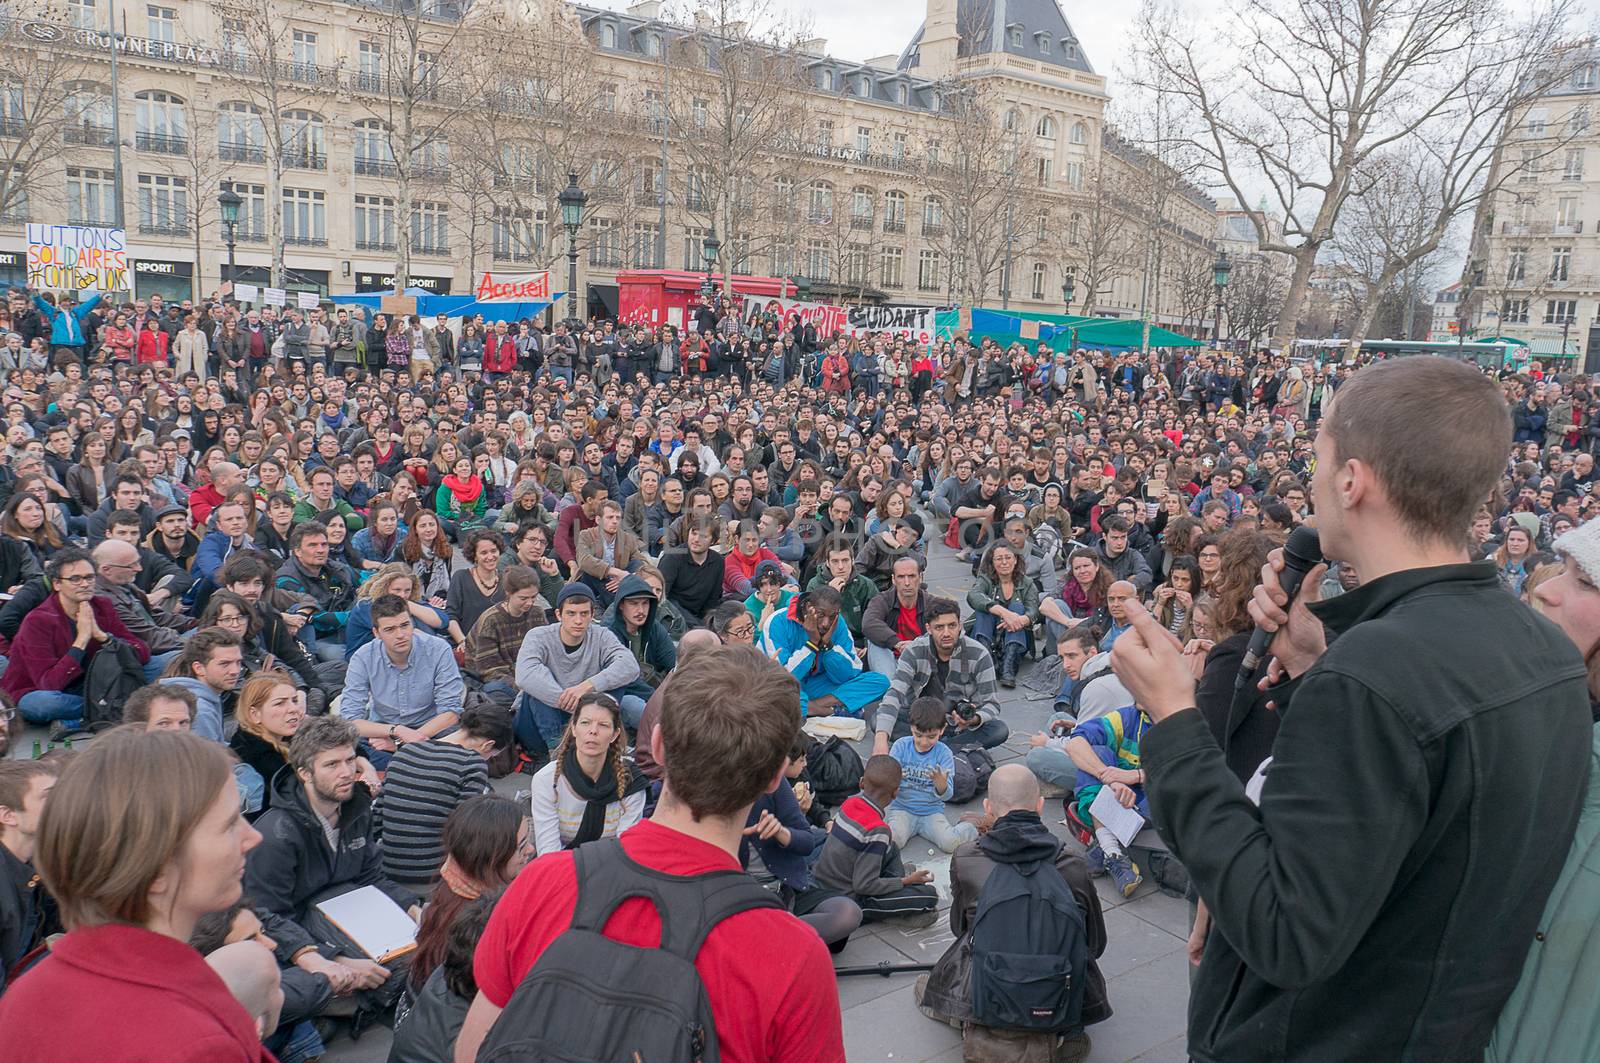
861	29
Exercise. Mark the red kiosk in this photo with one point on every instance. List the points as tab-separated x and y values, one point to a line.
664	296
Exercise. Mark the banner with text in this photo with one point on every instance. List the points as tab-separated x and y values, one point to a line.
914	323
514	287
77	258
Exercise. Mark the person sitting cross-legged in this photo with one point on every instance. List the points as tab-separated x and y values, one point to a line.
810	640
953	667
1106	752
403	686
559	663
861	859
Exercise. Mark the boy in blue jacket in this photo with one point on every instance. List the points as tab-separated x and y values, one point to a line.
927	781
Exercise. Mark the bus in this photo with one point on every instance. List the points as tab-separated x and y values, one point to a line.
1485	354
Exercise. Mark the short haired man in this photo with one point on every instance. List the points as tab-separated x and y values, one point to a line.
496	638
1018	836
161	707
308	572
810	639
403	686
1124	563
607	553
894	618
561	662
162	579
949	664
1434	665
117	566
693	572
225	476
839	571
728	720
317	842
128	492
209	667
24	787
250	575
321	500
57	641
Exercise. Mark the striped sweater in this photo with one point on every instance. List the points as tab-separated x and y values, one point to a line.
860	856
424	783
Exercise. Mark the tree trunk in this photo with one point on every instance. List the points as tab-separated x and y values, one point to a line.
274	211
1305	260
1363	321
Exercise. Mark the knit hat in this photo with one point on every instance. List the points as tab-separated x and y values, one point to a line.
1529	523
574	590
766	568
1582	544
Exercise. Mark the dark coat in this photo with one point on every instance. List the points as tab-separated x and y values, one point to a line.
1245	732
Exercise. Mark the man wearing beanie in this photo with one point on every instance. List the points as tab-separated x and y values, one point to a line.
561	662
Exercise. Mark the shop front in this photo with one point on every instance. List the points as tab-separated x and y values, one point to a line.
367	283
294	280
173	281
13	269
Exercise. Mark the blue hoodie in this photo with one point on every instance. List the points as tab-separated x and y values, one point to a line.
66	329
208	706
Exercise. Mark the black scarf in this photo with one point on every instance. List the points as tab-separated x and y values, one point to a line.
597	793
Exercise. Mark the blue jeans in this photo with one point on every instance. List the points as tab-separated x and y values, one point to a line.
252	788
985	625
158	664
936	827
880	660
45	706
537	725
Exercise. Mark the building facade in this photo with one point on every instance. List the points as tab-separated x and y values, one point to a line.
860	194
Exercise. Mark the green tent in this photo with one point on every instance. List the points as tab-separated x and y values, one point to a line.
1117	332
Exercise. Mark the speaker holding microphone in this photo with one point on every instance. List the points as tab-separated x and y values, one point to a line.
1302	552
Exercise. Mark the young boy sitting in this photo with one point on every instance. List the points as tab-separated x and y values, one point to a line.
861	859
1106	753
927	781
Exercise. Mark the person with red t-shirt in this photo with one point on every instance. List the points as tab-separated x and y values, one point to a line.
728	718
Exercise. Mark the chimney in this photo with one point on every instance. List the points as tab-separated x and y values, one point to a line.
941	37
645	9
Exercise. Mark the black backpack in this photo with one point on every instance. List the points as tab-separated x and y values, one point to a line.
974	765
835	769
113	674
1030	951
590	999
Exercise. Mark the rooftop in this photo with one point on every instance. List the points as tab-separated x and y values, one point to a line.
1032	29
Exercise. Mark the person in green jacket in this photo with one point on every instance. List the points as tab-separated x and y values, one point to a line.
1552	1014
839	571
321	500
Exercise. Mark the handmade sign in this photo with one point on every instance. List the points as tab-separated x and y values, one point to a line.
77	258
514	287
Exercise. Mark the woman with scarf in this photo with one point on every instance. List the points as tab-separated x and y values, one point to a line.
428	552
588	790
462	496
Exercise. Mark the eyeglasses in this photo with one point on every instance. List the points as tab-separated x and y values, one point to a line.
743	632
82	581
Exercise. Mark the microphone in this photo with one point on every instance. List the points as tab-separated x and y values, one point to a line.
1301	553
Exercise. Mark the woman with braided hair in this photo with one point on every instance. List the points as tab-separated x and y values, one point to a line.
589	790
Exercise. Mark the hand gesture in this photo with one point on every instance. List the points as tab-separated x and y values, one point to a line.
1150	663
368	973
768	826
1164	592
1039	740
88	627
917	877
803	796
939	779
1300	638
1124	794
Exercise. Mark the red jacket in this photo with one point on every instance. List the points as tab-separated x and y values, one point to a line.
202	500
153	347
42	657
124	992
499	353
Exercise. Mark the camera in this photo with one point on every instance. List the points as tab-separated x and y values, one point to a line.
966	710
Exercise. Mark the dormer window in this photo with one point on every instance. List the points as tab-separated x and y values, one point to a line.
1069	47
608	35
903	93
825	79
650	44
1044	42
1016	36
864	85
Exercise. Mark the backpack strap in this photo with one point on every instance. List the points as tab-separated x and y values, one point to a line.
689	906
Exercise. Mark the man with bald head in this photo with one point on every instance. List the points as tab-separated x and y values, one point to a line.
225	476
117	566
1118	595
1019	838
695	640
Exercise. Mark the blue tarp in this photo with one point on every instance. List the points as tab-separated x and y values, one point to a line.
430	305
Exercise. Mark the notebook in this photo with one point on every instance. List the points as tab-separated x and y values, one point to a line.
1123	822
376	924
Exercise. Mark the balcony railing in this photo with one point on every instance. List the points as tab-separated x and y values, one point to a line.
294	159
86	135
374	245
861	222
430	173
519	184
250	236
153	228
306	241
933	228
241	153
161	143
504	255
893	225
376	167
429	249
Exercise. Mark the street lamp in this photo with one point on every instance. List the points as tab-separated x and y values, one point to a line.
1068	290
1219	276
572	199
709	247
228	202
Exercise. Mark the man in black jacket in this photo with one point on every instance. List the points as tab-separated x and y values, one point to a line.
317	843
1428	772
24	787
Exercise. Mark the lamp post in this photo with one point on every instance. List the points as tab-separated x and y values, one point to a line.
572	200
228	203
1219	276
709	247
1068	290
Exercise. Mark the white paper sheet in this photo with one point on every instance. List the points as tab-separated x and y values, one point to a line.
373	921
1123	822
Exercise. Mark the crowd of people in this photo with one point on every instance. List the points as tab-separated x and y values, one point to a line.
370	565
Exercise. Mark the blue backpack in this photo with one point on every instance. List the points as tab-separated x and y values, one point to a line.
1030	952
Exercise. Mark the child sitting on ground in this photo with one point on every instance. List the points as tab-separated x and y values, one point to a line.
861	859
927	781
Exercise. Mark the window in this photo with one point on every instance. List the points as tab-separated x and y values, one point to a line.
83	14
1516	265
303	52
607	101
374	223
241	134
932	216
16	211
933	152
252	227
91	197
1016	36
700	112
1535	122
1529	168
1075	228
863	140
821	209
88	110
161	23
782	259
1044	168
783	200
369	66
1567	212
162	124
856	270
825	80
824	141
861	208
928	271
1044	42
606	250
1079	134
608	35
694	251
644	246
304	141
647	188
898	149
892	267
1560	311
374	155
650	45
1046	129
305	217
430	229
1073	174
694	196
1012	121
1572	166
1038	280
1584	77
431	161
1578	120
425	75
1560	263
894	212
515	235
518	169
819	262
1514	312
902	94
1069	47
655	111
163	205
1041	229
235	43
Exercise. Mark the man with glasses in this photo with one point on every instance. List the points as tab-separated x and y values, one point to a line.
118	566
58	640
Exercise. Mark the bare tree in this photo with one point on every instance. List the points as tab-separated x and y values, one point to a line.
1302	94
1096	236
1253	300
1192	286
204	176
48	95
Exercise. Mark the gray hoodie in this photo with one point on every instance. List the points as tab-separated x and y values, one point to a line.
545	668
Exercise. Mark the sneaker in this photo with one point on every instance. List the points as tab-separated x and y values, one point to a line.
1096	857
61	730
1124	873
918	920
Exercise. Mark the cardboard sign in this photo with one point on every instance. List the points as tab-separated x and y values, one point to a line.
1028	329
245	293
914	323
398	305
514	287
274	297
307	300
77	258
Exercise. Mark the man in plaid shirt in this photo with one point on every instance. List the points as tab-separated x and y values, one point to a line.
946	664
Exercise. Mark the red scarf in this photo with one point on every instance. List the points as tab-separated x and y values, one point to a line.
465	493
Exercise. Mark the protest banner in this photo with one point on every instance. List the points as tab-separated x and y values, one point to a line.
827	318
245	293
514	287
77	258
913	323
274	296
307	300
